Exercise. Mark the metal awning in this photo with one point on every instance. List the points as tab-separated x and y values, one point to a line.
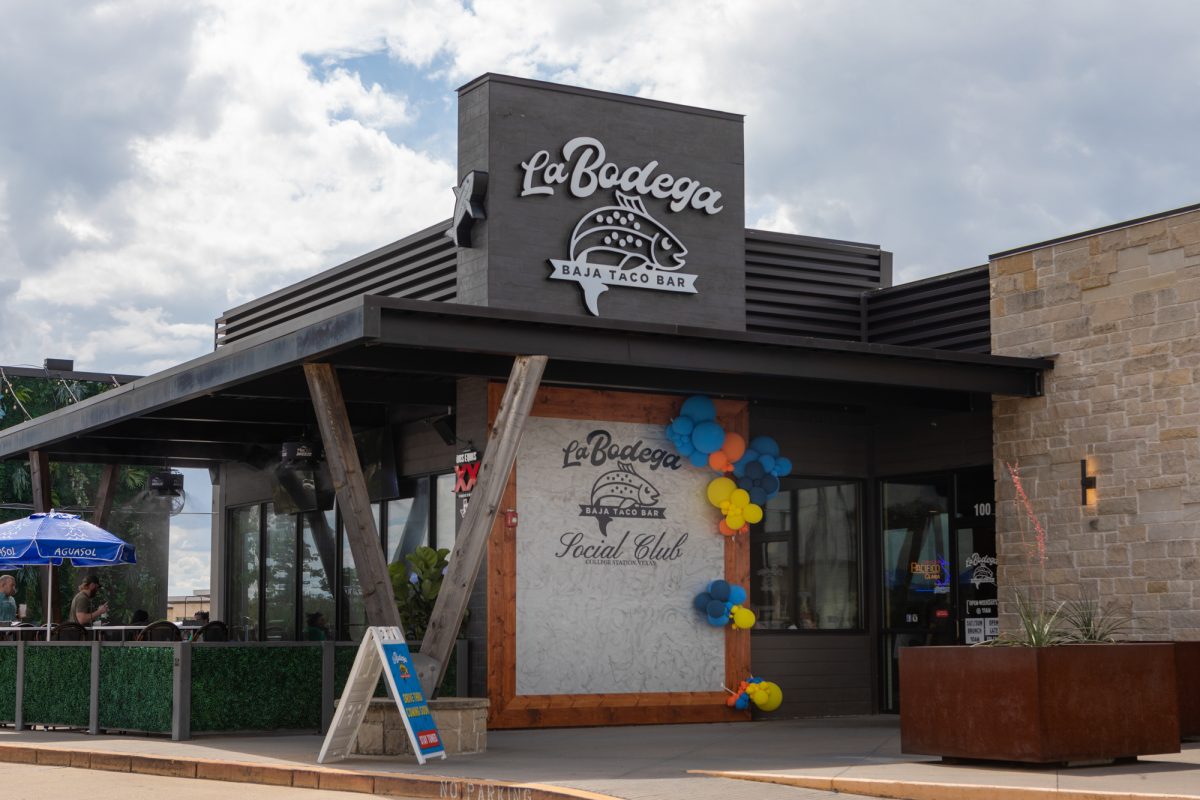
397	359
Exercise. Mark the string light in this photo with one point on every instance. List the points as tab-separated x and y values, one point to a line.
13	392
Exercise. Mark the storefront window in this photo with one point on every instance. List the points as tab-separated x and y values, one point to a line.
244	535
279	592
408	523
806	558
318	566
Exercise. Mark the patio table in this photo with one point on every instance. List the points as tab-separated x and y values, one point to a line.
122	633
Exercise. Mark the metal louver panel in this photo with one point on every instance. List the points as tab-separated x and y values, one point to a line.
949	312
422	266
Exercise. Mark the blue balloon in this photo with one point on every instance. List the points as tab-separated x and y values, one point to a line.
743	702
758	495
699	458
686	449
702	600
719	590
767	463
683	425
765	445
718	622
783	467
739	470
770	483
754	470
745	482
699	408
708	436
737	595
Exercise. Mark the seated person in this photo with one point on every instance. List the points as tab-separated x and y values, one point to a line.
140	617
8	606
318	629
81	606
201	617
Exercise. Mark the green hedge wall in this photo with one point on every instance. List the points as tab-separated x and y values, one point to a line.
343	662
58	684
256	688
136	685
8	684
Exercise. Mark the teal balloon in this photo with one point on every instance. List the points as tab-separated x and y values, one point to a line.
708	437
719	590
699	408
764	446
737	595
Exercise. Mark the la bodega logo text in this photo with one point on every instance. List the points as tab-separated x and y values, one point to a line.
620	243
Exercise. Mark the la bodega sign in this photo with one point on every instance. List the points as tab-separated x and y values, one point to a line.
619	242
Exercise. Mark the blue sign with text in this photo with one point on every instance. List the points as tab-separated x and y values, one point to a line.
404	682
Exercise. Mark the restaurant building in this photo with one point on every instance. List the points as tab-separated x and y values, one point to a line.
607	233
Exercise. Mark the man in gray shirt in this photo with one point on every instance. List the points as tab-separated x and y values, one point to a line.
81	606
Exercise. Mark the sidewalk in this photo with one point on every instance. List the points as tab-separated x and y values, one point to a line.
761	761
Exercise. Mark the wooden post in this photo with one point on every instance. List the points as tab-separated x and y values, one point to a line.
351	489
39	478
471	542
39	481
105	492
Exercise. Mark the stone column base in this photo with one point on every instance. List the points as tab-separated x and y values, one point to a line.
461	722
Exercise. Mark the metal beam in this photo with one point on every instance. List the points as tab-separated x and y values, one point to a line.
265	412
123	451
353	501
471	541
173	430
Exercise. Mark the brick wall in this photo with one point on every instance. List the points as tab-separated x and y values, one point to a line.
1121	313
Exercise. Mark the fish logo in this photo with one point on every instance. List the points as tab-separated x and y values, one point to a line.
621	493
627	237
623	245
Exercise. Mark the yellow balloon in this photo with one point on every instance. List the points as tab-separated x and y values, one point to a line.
743	617
719	491
753	513
740	498
735	521
772	696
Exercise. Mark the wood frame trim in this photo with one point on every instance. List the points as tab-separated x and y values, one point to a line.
510	710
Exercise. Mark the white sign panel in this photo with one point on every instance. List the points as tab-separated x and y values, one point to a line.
615	539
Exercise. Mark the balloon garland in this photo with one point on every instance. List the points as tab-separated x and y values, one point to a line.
755	467
723	603
765	695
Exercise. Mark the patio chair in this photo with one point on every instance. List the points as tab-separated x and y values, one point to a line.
69	632
161	631
215	631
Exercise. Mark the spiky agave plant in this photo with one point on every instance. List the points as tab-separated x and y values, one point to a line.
1089	620
1039	625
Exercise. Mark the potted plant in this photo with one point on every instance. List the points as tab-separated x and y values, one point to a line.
1059	689
416	582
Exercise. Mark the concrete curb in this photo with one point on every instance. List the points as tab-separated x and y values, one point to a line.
343	780
918	790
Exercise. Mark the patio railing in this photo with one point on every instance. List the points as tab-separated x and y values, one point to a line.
182	688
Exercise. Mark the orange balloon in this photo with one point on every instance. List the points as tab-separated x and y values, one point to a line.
734	447
719	461
724	528
745	529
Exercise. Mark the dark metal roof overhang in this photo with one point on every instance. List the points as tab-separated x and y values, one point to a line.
398	359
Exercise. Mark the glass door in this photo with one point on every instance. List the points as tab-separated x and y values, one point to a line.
918	601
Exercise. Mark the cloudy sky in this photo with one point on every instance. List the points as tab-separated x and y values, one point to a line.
163	161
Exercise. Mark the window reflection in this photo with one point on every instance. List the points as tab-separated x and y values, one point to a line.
806	557
243	573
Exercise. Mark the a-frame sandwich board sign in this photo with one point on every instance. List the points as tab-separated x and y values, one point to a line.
382	650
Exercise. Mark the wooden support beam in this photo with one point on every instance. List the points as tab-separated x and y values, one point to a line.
471	542
353	500
39	479
105	491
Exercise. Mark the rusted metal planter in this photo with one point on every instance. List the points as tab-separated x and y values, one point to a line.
1187	672
1069	703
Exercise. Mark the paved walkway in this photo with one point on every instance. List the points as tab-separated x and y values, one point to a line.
795	759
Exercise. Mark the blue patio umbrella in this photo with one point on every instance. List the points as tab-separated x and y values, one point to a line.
54	537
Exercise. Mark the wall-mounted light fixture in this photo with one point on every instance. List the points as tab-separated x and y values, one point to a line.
1086	483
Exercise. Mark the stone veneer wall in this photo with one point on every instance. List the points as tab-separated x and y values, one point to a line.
1121	313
